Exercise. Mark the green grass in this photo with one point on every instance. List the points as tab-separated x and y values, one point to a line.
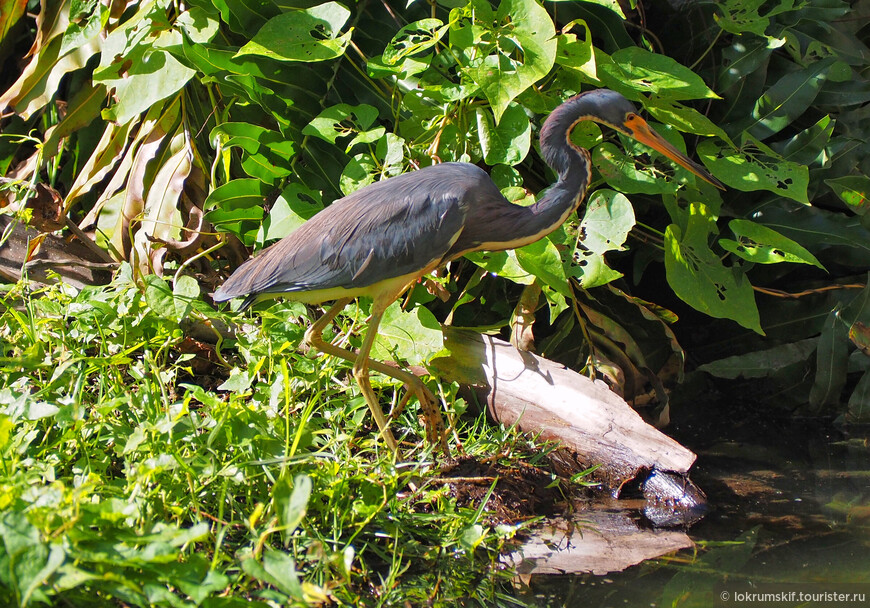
134	474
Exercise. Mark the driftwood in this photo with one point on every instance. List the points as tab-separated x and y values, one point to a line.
591	423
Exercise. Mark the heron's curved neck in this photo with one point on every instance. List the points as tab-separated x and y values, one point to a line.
571	164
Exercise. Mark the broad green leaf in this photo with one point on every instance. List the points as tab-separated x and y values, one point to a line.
502	264
294	206
84	26
575	54
639	70
852	190
754	166
762	363
10	12
414	38
302	35
237	207
141	75
267	152
787	99
291	502
507	143
832	357
758	243
809	146
185	291
542	259
521	52
698	277
199	24
412	336
741	16
745	56
606	223
682	117
82	109
341	120
621	171
859	400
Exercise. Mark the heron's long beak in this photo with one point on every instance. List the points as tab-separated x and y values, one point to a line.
643	133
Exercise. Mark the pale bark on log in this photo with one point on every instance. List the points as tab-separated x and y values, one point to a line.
544	398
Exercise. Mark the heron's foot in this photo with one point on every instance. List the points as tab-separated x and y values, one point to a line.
430	408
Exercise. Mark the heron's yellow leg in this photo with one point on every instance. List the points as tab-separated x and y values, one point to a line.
435	430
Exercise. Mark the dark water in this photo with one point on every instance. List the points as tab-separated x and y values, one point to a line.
789	502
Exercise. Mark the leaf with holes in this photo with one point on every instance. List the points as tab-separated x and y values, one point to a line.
697	275
414	38
341	120
302	35
522	51
758	243
755	166
576	54
682	117
608	219
639	70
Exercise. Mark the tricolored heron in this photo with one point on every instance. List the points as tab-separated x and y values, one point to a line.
379	240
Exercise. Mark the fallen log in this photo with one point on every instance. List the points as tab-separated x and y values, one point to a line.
591	423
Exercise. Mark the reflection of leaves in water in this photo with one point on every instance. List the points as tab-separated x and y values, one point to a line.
694	585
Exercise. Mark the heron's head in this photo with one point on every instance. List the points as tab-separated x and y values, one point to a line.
612	109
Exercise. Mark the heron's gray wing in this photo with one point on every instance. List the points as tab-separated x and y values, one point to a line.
389	229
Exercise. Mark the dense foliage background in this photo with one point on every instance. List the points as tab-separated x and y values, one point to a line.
179	135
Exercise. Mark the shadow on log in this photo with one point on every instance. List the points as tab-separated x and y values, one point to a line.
591	423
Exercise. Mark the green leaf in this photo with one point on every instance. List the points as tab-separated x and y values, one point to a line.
137	65
502	264
302	35
698	277
606	223
832	357
575	54
267	152
509	142
684	118
786	100
741	16
859	400
762	363
746	55
414	38
413	336
341	120
641	71
542	259
522	51
291	502
237	206
809	146
758	243
10	12
293	207
852	190
754	166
